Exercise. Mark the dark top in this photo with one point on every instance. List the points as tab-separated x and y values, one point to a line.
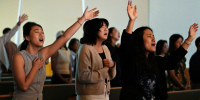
194	68
131	87
114	50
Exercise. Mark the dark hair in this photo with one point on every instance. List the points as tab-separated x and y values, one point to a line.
26	32
6	30
144	65
159	46
72	42
197	41
172	41
110	30
91	29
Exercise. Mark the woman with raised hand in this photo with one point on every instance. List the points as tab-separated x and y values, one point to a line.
143	76
95	67
29	67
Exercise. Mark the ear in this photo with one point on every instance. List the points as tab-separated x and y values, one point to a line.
27	38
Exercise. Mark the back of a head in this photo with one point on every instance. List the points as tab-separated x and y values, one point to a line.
59	34
197	43
26	32
6	30
91	28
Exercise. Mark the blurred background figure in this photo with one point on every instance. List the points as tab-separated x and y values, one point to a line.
177	79
194	68
161	48
11	48
113	37
73	47
60	63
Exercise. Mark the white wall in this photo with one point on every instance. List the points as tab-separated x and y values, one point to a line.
8	14
115	12
174	16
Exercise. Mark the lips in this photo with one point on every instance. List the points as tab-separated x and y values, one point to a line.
41	40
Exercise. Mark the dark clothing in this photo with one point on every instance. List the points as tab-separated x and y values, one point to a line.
56	79
114	50
131	86
194	68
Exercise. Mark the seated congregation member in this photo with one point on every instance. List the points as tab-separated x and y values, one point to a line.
95	67
177	79
113	37
143	76
194	68
60	64
29	67
73	46
4	59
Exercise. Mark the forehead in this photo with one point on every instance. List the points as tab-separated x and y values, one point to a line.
148	32
36	28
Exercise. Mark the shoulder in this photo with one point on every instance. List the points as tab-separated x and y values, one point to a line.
18	57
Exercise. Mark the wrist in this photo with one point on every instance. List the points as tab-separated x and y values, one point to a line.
188	41
18	23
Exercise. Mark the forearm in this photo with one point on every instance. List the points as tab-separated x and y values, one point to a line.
29	79
129	28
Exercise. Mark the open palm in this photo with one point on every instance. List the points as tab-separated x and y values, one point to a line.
90	14
132	12
23	18
193	30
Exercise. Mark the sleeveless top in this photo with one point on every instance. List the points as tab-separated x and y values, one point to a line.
34	92
63	61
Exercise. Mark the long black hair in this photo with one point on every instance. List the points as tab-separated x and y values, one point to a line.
26	32
159	46
173	38
91	29
144	65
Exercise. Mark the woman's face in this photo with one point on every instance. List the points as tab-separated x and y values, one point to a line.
149	40
36	36
178	43
115	34
76	46
165	48
103	32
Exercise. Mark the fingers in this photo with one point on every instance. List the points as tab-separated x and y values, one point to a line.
96	13
86	9
93	9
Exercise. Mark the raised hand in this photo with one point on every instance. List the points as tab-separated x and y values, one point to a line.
22	19
192	31
132	12
90	14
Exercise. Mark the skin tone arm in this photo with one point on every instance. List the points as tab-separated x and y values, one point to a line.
132	14
175	78
51	49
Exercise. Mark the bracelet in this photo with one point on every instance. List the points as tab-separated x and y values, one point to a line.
79	22
187	42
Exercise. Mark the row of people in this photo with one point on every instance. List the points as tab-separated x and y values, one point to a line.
143	73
